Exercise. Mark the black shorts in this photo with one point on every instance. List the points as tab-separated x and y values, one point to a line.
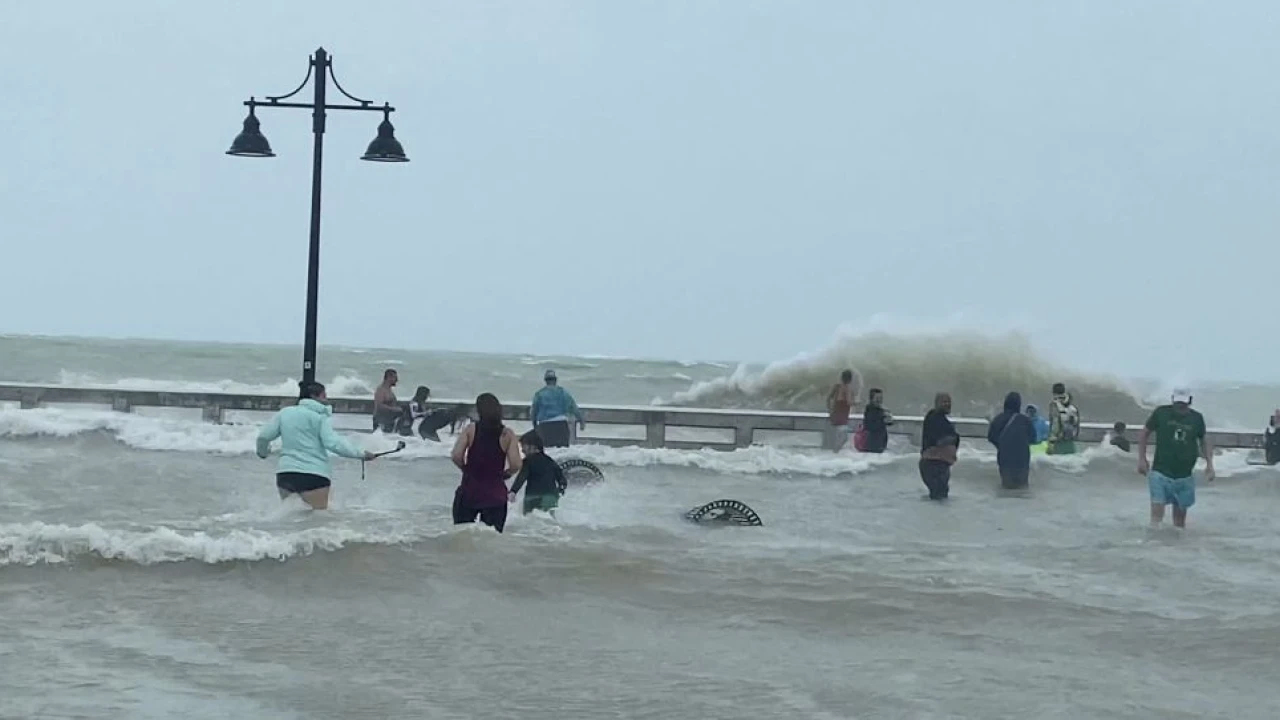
494	517
554	433
295	482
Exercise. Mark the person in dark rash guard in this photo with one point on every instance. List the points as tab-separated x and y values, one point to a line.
488	453
545	480
938	444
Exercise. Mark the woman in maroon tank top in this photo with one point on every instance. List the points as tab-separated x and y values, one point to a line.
488	453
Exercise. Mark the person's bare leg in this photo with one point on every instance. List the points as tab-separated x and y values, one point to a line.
317	499
1157	513
1179	517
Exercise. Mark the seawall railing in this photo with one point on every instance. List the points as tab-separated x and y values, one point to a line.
735	428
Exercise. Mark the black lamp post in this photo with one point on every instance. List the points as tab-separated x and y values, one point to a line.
251	143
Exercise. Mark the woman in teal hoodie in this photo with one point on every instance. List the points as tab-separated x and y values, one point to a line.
306	438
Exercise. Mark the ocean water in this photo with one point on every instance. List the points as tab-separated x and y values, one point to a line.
148	569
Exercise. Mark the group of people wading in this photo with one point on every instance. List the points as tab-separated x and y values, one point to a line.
551	409
486	451
1020	431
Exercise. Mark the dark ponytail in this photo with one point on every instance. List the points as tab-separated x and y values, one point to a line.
489	411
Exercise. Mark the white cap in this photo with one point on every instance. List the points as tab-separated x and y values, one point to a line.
1182	395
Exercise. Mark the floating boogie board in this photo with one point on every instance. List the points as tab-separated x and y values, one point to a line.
724	512
581	472
1040	448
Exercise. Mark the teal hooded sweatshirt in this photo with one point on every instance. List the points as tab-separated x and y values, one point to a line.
306	437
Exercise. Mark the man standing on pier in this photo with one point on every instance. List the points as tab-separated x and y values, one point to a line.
1181	439
840	402
550	411
387	413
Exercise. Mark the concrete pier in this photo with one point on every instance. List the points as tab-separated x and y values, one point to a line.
653	421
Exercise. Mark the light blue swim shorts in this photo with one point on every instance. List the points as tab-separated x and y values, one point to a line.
1179	492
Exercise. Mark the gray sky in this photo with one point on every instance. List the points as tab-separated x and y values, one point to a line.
724	180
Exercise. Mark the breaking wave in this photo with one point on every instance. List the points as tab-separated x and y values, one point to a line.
977	370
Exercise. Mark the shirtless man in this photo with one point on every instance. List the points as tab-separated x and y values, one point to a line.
387	413
840	403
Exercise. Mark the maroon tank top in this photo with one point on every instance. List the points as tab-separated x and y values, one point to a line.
483	484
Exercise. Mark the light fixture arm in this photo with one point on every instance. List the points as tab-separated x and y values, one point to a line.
334	78
320	57
311	66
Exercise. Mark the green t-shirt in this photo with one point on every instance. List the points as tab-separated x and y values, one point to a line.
1178	437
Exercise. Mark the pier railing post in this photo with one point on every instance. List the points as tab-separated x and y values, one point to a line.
211	414
655	429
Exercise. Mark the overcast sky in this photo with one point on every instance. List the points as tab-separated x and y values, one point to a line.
687	179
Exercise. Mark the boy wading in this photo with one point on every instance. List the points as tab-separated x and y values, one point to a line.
540	476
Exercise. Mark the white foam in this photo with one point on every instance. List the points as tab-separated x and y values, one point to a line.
150	433
339	386
35	543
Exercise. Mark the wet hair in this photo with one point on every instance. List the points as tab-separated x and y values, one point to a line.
489	411
875	391
533	440
388	373
1059	389
846	376
310	390
422	393
1119	426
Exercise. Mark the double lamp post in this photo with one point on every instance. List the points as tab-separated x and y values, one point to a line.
251	143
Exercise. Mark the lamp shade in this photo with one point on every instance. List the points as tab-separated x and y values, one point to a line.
385	147
251	142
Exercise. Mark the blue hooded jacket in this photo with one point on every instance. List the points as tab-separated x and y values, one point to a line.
1013	435
306	439
553	402
1039	422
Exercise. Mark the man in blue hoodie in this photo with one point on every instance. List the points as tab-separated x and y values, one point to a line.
550	412
1013	434
306	438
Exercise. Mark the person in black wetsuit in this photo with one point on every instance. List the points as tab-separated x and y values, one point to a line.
876	421
938	444
540	475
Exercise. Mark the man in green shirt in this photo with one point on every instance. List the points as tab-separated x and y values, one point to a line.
1180	441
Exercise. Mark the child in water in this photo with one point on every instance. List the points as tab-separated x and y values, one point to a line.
545	479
